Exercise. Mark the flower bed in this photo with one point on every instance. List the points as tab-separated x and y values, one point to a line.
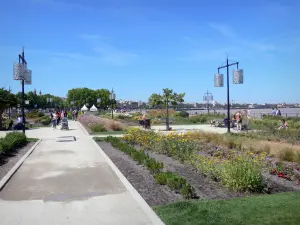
172	180
220	157
98	124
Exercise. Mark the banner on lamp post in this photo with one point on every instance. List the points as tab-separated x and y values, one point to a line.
18	71
219	80
238	77
28	77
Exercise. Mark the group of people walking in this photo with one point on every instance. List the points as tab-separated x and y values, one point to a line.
57	116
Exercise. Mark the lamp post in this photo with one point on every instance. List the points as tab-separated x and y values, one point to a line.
238	78
112	98
72	104
49	100
99	103
9	90
20	72
207	98
140	106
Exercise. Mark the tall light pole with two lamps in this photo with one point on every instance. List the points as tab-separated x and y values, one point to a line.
238	78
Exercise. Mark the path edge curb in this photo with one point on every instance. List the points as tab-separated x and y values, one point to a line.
13	170
144	205
84	130
137	197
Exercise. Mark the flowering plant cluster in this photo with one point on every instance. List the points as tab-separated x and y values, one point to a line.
92	122
172	144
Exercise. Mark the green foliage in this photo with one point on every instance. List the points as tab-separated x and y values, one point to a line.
275	209
167	97
82	96
41	114
206	118
12	141
7	100
288	154
98	128
45	120
8	123
161	178
173	180
242	174
188	192
182	114
140	156
70	115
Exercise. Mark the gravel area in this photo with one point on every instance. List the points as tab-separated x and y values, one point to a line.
7	161
205	187
140	178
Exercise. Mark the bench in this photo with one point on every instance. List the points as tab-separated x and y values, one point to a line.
217	123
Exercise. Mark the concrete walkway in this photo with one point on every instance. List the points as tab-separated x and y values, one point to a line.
71	182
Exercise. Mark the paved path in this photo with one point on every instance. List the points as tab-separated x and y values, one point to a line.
71	182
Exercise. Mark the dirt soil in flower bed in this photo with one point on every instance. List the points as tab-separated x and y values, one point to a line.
140	178
205	187
8	160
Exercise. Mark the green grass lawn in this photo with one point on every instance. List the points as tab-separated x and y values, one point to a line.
276	209
32	139
108	132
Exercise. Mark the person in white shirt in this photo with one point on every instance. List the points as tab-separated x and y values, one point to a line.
20	119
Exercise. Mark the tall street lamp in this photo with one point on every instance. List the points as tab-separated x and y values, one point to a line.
49	101
21	72
238	78
99	102
140	106
207	98
112	98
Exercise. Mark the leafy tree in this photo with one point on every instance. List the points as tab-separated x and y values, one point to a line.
7	100
81	96
168	97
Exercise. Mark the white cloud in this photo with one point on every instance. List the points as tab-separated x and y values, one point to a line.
223	29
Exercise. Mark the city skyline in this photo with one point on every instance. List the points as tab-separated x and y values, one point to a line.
139	48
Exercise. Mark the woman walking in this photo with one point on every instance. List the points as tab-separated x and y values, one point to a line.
54	120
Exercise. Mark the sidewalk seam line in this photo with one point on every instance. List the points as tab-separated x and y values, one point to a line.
13	170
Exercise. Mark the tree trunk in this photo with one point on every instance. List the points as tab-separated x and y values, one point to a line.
167	116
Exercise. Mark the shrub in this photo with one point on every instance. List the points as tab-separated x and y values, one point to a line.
116	126
243	173
161	178
182	114
90	120
288	154
12	141
97	128
175	182
188	192
70	115
45	120
41	114
8	123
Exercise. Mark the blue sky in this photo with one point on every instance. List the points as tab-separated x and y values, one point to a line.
139	47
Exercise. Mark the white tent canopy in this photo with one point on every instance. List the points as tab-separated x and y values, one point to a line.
84	108
93	109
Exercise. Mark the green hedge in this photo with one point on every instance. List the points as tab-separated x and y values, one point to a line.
12	141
